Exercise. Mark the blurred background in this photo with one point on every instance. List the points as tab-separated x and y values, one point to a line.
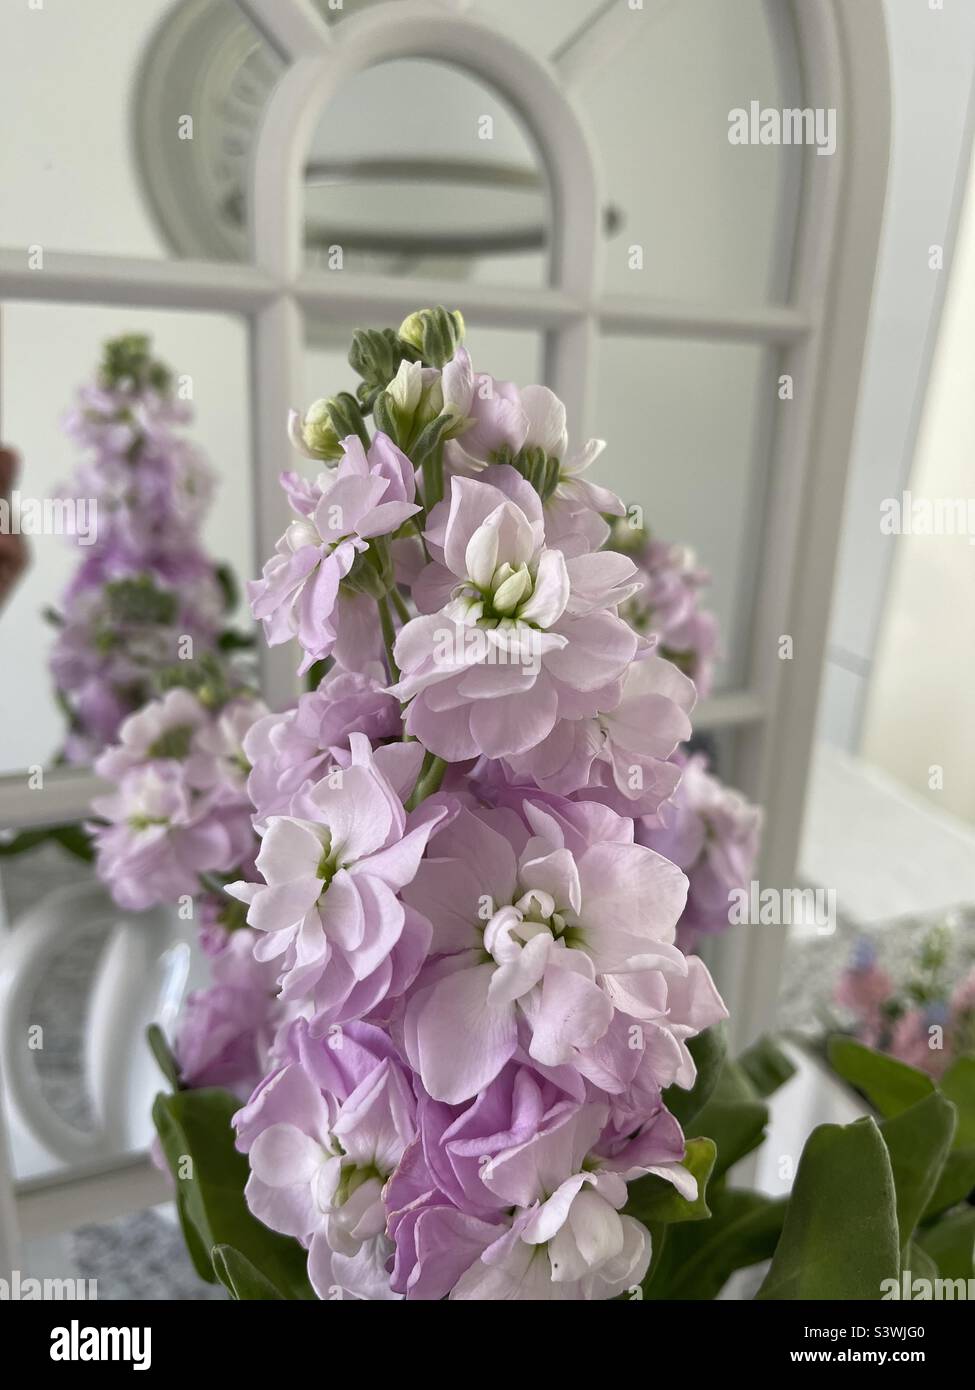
400	175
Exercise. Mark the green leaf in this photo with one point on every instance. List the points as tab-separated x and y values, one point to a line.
229	588
917	1142
840	1235
75	840
25	840
736	1130
70	837
242	1281
889	1085
198	1141
230	640
766	1066
317	673
202	1262
951	1244
654	1200
162	1052
699	1258
734	1085
956	1183
920	1263
708	1050
431	438
958	1084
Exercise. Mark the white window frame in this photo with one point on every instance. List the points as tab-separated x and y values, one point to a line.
820	333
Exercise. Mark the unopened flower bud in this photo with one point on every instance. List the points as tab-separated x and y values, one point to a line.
515	586
313	434
434	334
413	399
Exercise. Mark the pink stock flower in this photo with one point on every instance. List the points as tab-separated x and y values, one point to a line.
508	422
513	636
623	755
669	606
549	931
463	1017
301	593
712	833
328	908
518	1196
179	809
160	837
323	1132
298	746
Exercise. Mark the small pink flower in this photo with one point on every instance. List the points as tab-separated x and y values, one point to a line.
549	931
712	833
328	908
513	636
300	595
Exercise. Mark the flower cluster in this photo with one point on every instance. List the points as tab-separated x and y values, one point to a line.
178	815
457	902
145	593
925	1018
669	603
713	834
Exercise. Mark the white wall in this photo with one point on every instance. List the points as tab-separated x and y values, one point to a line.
919	711
933	60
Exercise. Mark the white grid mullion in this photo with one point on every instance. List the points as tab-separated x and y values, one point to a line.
277	346
78	278
772	323
840	229
214	286
342	298
749	963
65	796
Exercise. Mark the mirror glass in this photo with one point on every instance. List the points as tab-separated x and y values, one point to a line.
50	351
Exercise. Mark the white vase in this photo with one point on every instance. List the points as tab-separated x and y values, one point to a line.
148	961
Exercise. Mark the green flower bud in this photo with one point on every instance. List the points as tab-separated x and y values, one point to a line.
347	418
412	401
514	587
128	362
434	334
375	355
313	434
138	600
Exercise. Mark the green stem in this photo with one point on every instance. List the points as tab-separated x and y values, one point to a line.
418	522
400	605
430	777
389	637
212	884
433	478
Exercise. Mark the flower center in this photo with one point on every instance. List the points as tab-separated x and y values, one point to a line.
535	913
173	743
499	604
327	864
353	1177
